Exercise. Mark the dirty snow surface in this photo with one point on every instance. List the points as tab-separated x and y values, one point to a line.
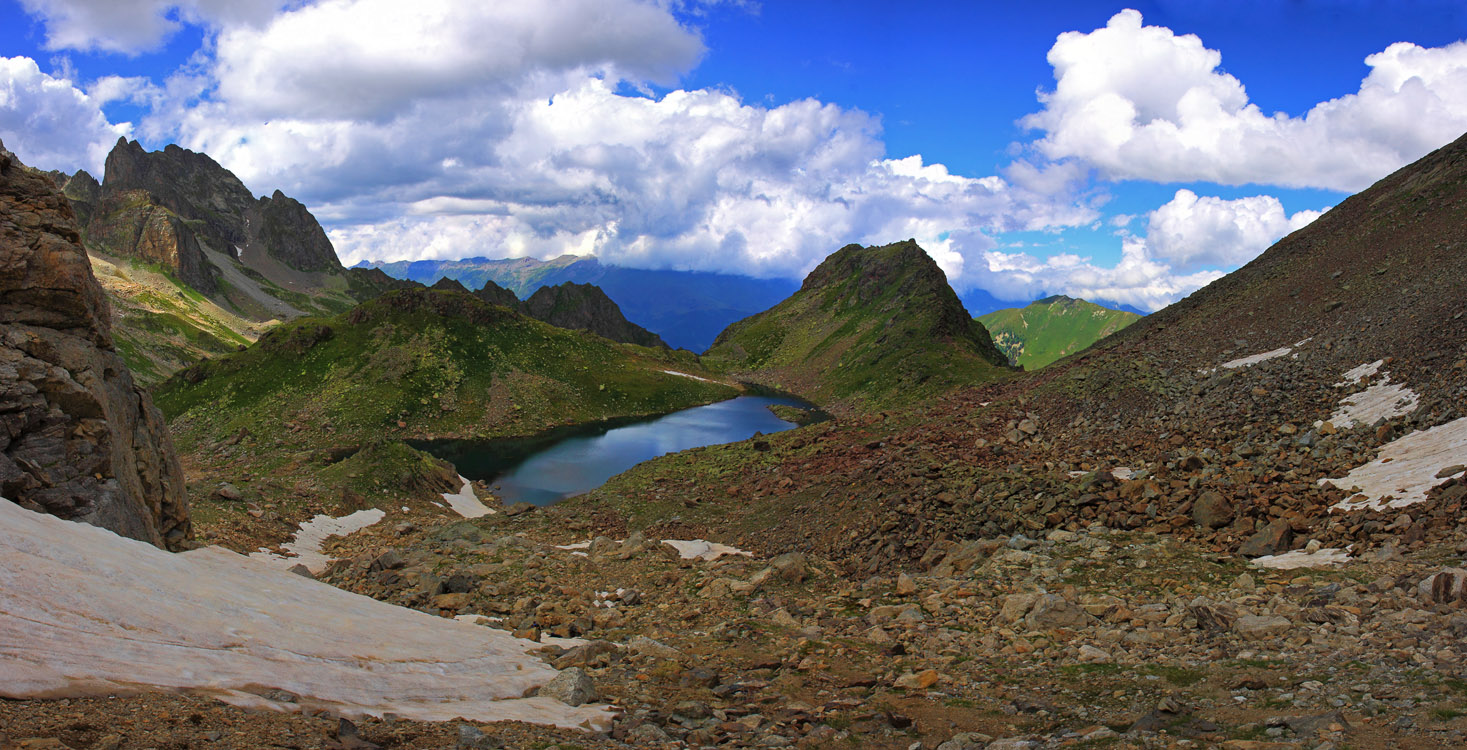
306	544
465	502
699	549
84	612
1361	373
1256	358
1405	469
1384	400
1303	559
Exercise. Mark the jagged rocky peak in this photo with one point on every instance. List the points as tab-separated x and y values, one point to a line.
495	294
84	192
585	307
227	216
292	235
187	183
80	440
446	284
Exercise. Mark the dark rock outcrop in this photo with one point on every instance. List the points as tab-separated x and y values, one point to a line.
217	209
189	184
495	294
292	235
128	224
367	283
446	284
85	193
584	307
78	439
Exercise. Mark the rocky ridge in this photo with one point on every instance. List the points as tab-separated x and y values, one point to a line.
584	307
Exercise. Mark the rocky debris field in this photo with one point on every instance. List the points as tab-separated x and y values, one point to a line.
1095	637
151	721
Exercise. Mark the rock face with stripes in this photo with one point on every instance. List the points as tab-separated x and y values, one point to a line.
78	438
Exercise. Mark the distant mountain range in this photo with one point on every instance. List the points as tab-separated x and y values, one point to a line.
687	309
1051	328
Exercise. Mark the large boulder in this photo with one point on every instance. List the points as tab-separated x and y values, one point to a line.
78	438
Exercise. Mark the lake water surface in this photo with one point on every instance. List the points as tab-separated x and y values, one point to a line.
572	460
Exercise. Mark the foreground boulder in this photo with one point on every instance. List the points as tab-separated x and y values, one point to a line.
78	439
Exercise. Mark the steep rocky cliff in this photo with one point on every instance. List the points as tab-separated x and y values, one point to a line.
78	439
292	235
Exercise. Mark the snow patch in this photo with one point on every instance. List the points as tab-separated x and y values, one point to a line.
1405	470
307	541
700	549
1384	400
84	612
1304	559
575	545
1363	372
1256	358
685	375
1122	473
465	502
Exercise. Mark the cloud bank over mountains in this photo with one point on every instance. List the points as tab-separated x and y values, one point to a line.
450	130
1139	102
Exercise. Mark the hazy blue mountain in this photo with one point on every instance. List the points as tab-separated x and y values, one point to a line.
687	309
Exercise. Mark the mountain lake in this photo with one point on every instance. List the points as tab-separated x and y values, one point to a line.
571	460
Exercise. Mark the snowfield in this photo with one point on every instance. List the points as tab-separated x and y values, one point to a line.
1405	469
84	612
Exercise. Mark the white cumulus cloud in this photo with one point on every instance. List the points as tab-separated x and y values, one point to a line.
133	26
696	179
1189	242
1141	102
367	59
50	123
1138	279
1193	232
449	130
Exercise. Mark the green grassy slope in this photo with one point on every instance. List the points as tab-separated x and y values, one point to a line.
425	363
1051	328
160	324
314	417
871	327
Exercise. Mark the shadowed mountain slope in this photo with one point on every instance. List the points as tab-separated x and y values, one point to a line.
585	307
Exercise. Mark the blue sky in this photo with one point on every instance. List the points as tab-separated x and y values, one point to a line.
1094	149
